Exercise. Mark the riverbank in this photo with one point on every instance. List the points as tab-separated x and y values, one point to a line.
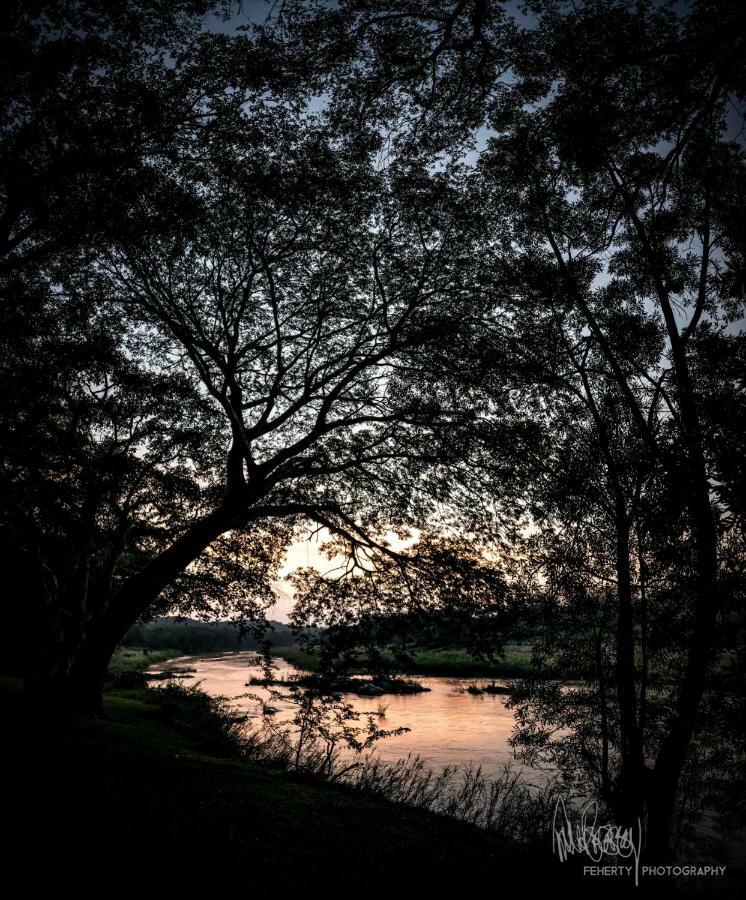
142	799
446	661
449	661
134	660
147	802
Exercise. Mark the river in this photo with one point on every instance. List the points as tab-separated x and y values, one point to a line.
448	725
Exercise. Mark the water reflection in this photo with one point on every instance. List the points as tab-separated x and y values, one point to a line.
448	725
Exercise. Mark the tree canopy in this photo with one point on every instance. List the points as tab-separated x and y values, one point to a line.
464	273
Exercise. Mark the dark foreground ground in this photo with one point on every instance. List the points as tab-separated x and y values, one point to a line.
131	805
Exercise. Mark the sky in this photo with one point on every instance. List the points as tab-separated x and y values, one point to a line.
308	553
299	555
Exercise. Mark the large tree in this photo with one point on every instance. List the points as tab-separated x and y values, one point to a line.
619	167
617	156
99	457
290	293
100	449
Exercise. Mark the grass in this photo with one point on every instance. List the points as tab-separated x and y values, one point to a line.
152	800
129	660
453	661
456	661
149	800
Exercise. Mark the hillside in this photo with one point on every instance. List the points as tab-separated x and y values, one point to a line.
155	810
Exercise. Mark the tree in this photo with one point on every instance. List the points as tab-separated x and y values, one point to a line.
97	98
287	302
617	157
91	95
620	174
99	457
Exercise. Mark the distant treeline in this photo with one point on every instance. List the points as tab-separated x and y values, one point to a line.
428	629
424	632
193	636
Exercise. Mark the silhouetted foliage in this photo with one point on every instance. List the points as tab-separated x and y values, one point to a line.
455	273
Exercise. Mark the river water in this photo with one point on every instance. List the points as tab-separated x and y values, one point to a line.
447	724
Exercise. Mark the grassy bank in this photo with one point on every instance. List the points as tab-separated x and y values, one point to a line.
453	661
151	801
132	660
145	800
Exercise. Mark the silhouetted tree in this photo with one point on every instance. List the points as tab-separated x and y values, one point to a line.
293	280
620	174
616	155
99	448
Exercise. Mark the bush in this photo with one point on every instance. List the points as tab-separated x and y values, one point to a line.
212	721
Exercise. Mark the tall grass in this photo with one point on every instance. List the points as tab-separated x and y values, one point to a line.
505	803
211	721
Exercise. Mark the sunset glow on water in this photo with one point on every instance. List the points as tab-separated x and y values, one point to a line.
448	726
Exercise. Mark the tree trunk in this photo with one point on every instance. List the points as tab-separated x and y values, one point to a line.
603	700
47	677
695	493
677	742
81	690
86	682
629	805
